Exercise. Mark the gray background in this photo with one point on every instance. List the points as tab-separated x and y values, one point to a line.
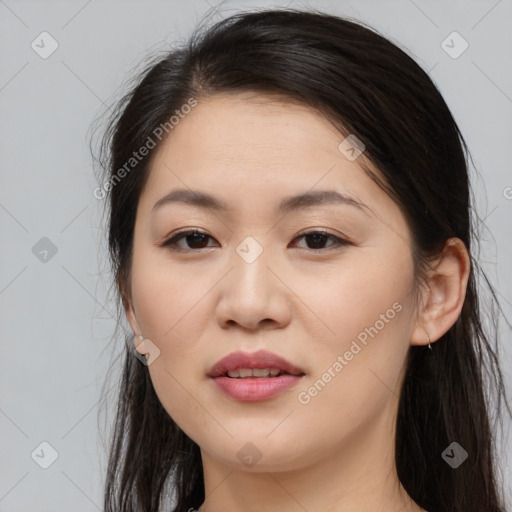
57	319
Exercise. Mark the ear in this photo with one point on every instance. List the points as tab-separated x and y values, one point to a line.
444	294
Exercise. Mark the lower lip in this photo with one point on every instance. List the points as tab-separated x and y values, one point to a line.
254	390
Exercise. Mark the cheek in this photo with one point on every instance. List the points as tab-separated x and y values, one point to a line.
172	322
359	358
358	369
171	312
167	298
370	289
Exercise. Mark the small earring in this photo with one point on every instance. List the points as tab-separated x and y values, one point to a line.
429	345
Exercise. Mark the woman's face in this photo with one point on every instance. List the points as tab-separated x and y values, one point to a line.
340	312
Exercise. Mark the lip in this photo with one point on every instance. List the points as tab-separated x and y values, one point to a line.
258	388
260	359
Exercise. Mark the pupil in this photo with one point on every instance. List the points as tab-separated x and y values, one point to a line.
196	238
317	238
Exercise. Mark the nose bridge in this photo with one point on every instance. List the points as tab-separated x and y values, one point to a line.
249	250
250	261
251	292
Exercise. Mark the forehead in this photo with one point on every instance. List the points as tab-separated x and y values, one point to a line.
252	151
252	127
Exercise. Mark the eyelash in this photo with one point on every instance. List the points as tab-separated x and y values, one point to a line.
171	242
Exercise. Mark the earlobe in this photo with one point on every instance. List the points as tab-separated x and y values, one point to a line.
138	342
444	295
137	333
138	339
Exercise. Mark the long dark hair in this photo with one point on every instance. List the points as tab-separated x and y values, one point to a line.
367	86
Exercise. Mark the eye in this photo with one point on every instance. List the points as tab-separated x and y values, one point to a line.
318	238
197	240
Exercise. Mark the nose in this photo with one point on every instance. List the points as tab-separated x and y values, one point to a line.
253	295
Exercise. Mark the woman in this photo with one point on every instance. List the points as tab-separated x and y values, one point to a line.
290	235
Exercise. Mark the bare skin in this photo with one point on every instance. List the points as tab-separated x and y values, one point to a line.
302	299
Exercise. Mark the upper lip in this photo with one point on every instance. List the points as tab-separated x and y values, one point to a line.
260	359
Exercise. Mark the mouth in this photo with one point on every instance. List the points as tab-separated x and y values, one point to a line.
257	376
261	364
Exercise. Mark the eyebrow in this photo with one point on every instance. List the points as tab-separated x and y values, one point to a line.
287	205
